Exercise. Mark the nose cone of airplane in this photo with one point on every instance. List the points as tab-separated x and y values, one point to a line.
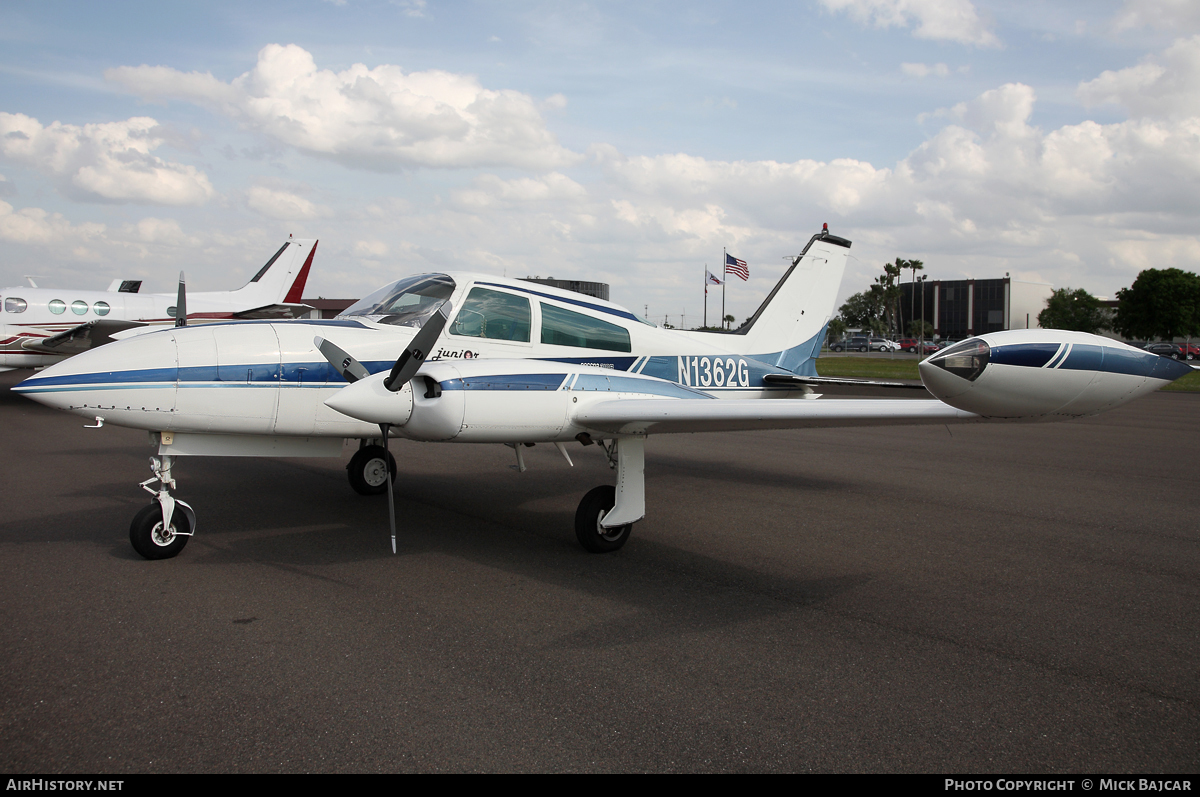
102	378
368	400
952	372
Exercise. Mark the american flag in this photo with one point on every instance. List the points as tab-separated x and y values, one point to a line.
736	267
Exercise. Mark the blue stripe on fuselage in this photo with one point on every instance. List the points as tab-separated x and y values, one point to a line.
1091	357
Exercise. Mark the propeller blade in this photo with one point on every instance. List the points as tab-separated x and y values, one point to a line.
410	361
350	369
181	303
387	461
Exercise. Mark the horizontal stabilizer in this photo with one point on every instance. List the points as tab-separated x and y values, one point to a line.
80	338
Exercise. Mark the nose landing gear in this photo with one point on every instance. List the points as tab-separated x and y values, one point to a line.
160	530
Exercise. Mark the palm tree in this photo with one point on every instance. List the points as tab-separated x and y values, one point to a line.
914	266
729	319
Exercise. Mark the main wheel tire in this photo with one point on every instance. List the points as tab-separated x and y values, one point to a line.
592	536
368	470
147	537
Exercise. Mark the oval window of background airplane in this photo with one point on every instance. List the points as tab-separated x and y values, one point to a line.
101	308
79	307
57	306
12	305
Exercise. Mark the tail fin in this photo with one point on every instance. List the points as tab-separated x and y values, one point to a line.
282	279
788	328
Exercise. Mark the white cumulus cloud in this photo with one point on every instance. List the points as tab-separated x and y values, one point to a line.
279	204
108	161
1182	16
379	119
1165	85
948	20
36	226
925	70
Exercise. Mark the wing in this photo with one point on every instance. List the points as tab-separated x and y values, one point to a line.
794	380
658	416
80	338
274	312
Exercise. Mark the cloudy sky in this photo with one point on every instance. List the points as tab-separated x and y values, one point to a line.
621	142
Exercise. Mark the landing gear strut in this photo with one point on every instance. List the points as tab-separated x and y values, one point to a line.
160	530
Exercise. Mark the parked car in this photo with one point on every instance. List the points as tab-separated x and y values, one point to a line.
862	343
850	344
882	344
1191	350
1175	351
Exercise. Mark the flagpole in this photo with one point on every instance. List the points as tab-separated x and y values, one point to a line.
706	294
724	279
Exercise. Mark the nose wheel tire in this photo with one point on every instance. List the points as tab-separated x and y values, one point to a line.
368	470
151	540
592	536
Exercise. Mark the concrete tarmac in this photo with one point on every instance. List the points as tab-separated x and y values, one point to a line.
984	598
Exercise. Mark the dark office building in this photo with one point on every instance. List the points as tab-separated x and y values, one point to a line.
597	289
962	308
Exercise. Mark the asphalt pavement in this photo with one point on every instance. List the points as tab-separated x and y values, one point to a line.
984	598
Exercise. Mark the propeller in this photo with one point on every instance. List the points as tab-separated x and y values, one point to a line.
345	364
386	428
404	369
410	360
181	303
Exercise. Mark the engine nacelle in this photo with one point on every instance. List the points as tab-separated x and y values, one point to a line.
1044	373
477	402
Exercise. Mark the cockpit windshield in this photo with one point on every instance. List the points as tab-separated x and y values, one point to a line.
405	303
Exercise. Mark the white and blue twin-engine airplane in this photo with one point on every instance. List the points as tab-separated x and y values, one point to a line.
491	360
42	326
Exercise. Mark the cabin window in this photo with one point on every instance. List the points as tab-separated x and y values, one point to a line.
79	307
494	315
13	305
101	308
57	306
565	328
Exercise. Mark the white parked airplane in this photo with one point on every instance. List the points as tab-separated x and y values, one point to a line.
42	326
490	360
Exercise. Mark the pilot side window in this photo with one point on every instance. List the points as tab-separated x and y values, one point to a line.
492	314
565	328
14	305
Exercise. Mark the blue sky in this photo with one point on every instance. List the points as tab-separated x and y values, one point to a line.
624	142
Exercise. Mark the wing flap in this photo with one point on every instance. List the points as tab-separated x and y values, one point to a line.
663	416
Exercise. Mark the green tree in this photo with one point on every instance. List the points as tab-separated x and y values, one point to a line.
861	308
915	331
837	329
1074	309
1161	303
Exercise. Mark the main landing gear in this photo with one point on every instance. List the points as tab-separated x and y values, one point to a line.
606	515
160	530
368	469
